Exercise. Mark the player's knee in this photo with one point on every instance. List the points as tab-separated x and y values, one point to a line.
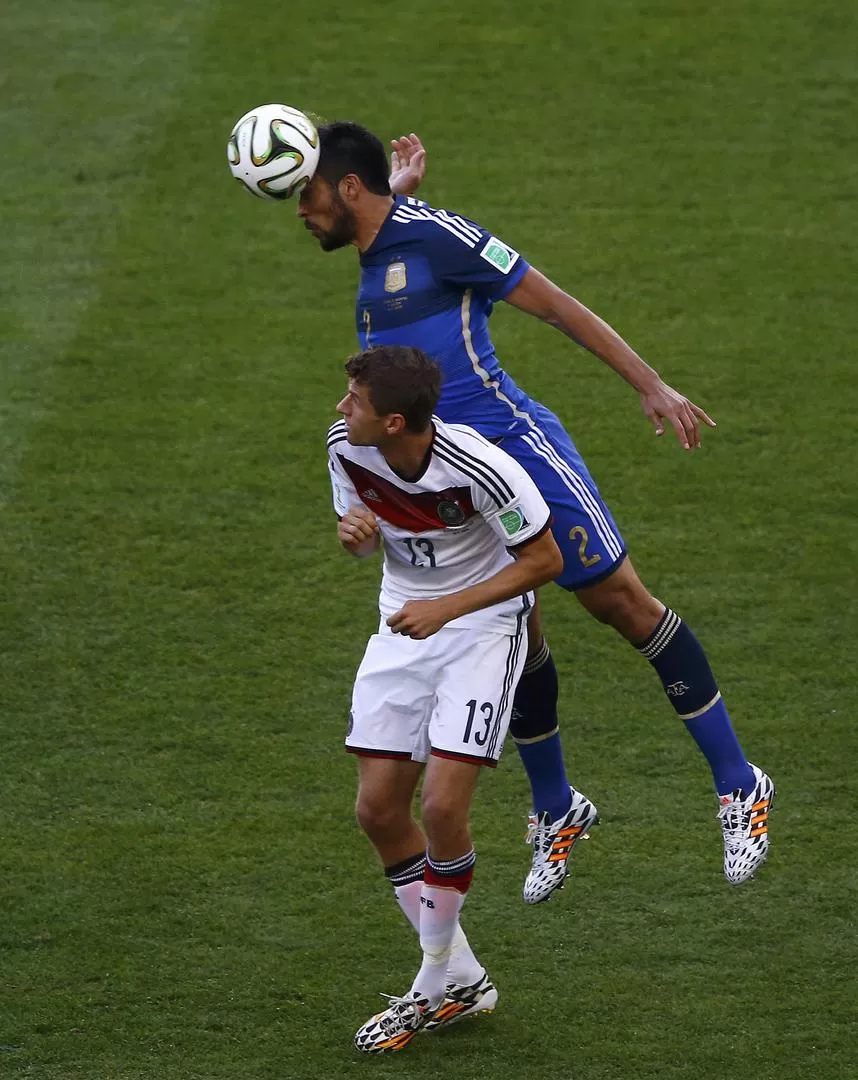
626	606
442	818
621	607
379	819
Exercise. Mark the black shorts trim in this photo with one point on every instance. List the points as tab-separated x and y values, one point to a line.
365	751
450	755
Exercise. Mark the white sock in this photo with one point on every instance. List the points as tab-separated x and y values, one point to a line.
408	898
439	917
463	967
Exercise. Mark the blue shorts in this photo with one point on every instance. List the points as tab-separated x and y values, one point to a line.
585	532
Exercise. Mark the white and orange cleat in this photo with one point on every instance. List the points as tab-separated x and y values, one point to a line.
394	1028
745	824
553	842
463	1001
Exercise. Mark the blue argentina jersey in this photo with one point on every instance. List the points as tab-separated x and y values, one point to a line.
429	280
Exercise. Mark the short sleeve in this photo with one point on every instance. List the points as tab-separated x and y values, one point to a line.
343	491
509	500
466	256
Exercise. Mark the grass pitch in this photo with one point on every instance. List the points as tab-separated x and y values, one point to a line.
185	895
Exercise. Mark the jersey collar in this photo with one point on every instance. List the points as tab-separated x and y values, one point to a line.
398	200
425	463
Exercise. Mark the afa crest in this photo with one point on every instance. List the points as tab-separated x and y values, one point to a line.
395	278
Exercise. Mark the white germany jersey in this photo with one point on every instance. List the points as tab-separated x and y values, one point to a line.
451	527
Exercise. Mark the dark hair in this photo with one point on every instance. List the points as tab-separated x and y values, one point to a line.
345	147
400	379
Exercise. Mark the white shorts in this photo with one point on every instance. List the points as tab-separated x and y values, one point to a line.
449	695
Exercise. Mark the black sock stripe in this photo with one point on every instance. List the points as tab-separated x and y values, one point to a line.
407	878
538	660
452	867
661	637
407	866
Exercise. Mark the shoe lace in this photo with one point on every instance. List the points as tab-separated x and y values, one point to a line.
735	818
403	1007
538	833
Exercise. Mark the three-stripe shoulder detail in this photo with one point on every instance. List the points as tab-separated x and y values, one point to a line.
463	230
336	433
489	479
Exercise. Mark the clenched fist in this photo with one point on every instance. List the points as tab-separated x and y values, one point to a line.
357	531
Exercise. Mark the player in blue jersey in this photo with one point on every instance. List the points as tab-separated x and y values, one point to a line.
429	278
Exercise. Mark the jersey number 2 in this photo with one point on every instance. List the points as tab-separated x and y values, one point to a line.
579	532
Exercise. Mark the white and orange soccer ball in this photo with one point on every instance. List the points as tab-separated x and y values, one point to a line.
273	150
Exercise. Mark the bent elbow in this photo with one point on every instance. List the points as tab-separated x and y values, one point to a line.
549	568
553	559
555	566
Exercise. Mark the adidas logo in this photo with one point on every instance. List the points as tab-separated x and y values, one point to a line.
371	494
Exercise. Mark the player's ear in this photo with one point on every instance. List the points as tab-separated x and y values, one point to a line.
395	424
350	187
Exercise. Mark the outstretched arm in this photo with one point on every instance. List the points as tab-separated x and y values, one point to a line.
539	296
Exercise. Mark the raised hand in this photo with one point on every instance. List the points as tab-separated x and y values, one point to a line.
407	164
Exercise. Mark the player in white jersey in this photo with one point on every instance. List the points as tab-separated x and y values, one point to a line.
466	538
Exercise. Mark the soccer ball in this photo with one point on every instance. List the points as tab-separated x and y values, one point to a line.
273	151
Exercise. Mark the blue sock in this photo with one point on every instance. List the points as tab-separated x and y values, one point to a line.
681	663
534	729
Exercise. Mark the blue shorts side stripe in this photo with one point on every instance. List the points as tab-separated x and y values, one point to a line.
541	446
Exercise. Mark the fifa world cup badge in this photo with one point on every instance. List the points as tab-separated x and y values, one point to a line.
394	278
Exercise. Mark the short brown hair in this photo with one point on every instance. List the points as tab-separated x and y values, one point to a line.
400	379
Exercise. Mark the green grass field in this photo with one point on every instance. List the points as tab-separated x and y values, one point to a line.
184	892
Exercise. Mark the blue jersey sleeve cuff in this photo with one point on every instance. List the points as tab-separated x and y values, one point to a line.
506	286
